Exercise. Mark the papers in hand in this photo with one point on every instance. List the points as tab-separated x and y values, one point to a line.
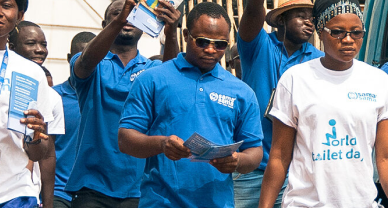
23	96
144	17
203	150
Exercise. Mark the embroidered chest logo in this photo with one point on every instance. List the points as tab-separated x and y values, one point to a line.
136	74
362	96
222	99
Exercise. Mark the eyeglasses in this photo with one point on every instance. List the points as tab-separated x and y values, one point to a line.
341	34
236	57
203	42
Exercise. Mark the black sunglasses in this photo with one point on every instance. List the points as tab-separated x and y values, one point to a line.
341	34
203	42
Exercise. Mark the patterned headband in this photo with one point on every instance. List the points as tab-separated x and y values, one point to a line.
341	7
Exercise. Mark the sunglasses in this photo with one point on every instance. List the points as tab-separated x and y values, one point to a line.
203	42
341	34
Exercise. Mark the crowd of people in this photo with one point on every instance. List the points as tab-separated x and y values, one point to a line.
113	134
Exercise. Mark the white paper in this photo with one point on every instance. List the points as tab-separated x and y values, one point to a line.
204	150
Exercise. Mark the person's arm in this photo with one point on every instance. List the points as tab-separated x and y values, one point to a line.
37	148
280	156
242	162
381	146
170	16
140	145
252	20
47	170
97	48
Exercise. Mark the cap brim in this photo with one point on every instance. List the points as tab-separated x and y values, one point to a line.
273	14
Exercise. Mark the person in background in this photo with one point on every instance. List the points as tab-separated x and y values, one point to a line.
191	93
65	144
48	76
102	76
385	67
264	58
29	41
17	188
234	61
325	143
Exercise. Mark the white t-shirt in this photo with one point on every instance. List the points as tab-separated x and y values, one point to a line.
15	178
56	126
335	114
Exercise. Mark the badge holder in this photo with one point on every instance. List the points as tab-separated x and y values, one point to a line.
269	106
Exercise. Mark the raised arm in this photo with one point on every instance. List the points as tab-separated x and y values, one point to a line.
279	160
252	20
97	48
139	145
381	146
170	16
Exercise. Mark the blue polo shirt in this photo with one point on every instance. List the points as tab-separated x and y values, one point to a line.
385	67
176	99
99	164
65	143
262	63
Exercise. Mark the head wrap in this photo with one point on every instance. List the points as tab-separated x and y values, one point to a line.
325	10
22	5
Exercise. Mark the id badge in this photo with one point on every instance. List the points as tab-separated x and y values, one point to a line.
269	106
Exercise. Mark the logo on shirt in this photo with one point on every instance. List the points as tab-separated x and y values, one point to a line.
362	96
222	99
135	75
5	86
337	147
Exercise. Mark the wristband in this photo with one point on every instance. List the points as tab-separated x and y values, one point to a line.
38	141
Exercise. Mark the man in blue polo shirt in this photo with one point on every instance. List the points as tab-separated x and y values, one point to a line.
102	75
65	144
264	58
192	93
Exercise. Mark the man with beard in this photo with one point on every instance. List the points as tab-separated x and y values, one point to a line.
264	58
102	75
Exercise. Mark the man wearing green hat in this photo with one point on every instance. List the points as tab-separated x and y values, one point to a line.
264	58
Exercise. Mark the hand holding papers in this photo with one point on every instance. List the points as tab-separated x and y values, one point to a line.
204	150
145	17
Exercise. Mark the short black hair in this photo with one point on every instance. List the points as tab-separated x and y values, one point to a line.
207	8
13	35
107	8
22	5
82	37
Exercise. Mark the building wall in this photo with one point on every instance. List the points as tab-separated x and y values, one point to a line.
62	19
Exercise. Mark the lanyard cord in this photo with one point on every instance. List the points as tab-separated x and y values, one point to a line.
3	68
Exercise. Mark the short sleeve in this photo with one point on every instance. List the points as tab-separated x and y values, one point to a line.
56	126
137	110
249	125
283	107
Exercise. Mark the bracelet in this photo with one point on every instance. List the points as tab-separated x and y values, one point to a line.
38	141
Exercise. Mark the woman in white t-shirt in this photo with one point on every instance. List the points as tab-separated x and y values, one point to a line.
16	148
326	112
